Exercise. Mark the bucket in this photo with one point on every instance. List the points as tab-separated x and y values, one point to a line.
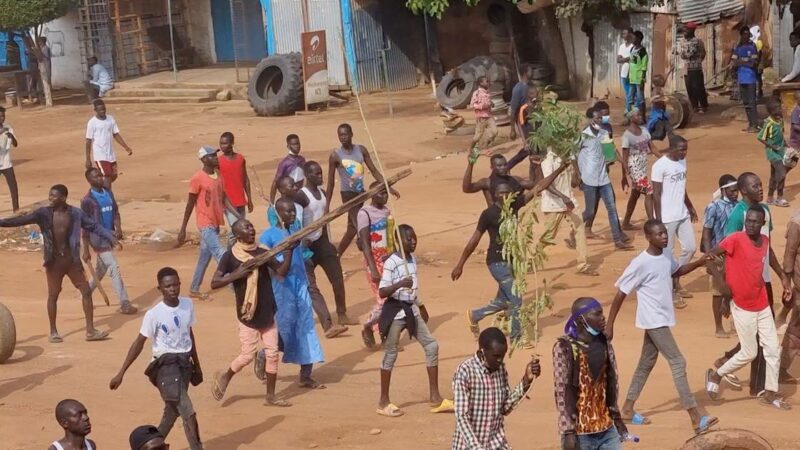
609	150
11	98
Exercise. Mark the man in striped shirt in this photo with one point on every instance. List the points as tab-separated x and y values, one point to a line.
483	396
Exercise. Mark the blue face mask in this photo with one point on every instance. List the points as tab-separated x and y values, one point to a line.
591	330
606	120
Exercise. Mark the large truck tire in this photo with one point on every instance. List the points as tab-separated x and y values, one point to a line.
276	86
455	92
8	334
727	439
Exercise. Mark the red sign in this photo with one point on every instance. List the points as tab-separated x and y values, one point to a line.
315	66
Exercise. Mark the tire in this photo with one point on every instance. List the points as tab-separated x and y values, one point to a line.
276	86
679	110
455	92
8	334
729	439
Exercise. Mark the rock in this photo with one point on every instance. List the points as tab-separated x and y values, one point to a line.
224	95
313	445
375	431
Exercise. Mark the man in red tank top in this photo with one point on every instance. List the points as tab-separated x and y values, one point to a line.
235	182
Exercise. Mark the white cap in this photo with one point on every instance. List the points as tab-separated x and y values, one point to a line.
205	151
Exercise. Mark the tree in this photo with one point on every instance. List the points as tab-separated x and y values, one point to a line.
27	17
564	8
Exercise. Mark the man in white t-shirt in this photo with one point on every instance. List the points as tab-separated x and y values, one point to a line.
623	58
650	274
7	140
673	207
558	203
99	81
175	364
100	131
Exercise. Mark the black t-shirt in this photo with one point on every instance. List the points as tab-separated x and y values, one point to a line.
519	200
490	222
265	308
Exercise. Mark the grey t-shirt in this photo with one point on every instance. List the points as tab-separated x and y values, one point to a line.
591	161
351	169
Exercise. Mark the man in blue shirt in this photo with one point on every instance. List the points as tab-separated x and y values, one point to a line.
100	205
745	60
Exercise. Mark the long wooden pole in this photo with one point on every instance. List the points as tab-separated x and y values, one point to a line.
327	218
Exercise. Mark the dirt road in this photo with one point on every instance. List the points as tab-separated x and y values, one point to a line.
152	192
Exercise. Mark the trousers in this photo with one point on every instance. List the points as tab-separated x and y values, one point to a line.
107	263
754	328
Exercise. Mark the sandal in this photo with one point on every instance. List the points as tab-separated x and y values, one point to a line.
781	203
474	328
445	406
588	271
680	303
216	391
277	402
334	331
777	402
260	366
712	387
312	384
733	381
97	335
706	422
55	339
199	296
368	338
637	419
390	410
127	309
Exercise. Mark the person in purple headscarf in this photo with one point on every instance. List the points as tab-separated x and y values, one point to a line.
585	368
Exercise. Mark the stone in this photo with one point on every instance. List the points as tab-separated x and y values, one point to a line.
375	431
224	95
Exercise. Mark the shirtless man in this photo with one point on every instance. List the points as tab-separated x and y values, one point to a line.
61	225
500	174
74	419
349	161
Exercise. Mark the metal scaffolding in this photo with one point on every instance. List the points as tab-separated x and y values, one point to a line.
94	34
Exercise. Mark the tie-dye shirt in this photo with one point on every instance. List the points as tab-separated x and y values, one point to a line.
381	229
351	168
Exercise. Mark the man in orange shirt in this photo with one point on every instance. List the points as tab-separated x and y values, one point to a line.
207	194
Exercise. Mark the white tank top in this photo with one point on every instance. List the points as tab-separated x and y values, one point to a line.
314	210
58	446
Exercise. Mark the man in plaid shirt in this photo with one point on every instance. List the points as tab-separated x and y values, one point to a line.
483	396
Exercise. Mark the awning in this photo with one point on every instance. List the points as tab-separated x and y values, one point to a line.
702	11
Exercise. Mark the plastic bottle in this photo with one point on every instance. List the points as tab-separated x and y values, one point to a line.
628	437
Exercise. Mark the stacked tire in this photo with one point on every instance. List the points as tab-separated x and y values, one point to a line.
276	86
456	88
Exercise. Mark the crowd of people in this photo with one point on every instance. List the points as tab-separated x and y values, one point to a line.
277	298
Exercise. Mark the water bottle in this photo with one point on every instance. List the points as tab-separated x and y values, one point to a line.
628	437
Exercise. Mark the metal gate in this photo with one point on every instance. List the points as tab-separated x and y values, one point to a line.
94	35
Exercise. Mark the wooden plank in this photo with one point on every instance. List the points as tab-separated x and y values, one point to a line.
327	218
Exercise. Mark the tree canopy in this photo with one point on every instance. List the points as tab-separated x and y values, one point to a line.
26	14
564	8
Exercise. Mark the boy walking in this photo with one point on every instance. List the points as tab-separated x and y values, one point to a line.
485	126
745	256
235	182
290	166
255	308
771	136
100	131
7	140
399	286
714	219
175	364
650	274
99	204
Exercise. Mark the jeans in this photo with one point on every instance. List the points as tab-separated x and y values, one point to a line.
628	88
777	178
660	340
748	93
696	88
106	262
424	337
606	192
242	210
604	440
683	232
183	408
505	299
754	328
210	247
637	97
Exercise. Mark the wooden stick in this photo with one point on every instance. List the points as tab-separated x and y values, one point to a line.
97	282
258	185
327	218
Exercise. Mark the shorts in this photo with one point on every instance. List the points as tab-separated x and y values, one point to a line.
64	266
107	168
713	286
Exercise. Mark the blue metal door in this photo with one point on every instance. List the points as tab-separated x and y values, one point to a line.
243	37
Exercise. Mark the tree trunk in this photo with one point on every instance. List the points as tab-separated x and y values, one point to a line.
550	37
45	79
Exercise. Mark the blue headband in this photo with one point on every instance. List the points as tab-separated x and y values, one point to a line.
571	328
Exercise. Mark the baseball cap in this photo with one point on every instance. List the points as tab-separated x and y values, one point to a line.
205	151
142	435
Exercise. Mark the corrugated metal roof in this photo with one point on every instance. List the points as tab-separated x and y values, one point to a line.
702	11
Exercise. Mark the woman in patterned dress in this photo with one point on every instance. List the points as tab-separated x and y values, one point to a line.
636	146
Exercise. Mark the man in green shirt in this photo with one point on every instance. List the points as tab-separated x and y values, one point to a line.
771	135
638	70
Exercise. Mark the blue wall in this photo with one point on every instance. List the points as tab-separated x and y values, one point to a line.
253	46
23	57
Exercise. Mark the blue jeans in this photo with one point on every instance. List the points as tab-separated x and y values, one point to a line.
637	97
242	210
210	247
505	299
605	440
628	88
605	192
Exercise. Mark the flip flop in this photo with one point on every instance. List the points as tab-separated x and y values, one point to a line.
127	309
199	296
260	366
368	338
334	331
706	422
312	384
777	403
277	402
474	328
733	381
712	387
680	303
216	391
55	339
445	406
97	335
637	419
390	410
